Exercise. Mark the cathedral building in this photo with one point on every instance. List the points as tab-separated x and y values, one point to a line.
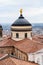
21	47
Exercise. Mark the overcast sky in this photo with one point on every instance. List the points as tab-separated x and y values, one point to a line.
32	10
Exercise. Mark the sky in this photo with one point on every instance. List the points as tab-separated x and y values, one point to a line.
32	10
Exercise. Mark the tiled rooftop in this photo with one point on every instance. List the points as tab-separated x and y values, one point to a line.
25	45
7	61
38	38
20	62
13	61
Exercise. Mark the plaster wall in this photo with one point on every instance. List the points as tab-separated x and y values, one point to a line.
21	35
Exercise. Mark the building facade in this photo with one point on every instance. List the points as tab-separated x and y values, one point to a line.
37	57
13	51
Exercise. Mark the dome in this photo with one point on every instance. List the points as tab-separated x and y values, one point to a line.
21	28
21	21
1	27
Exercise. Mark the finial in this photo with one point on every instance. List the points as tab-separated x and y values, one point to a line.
20	11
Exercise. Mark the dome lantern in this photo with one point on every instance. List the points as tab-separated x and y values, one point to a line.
21	28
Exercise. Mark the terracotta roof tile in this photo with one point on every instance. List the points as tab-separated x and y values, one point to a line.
25	45
13	61
1	55
7	61
20	62
38	38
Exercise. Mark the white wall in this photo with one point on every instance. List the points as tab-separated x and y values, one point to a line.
38	58
31	57
42	60
21	35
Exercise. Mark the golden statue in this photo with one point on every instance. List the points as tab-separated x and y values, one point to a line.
21	11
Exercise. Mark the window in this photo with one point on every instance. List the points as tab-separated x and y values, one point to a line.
19	56
12	53
24	58
31	34
17	35
25	35
11	34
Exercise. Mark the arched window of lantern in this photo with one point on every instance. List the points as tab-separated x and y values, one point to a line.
25	35
17	35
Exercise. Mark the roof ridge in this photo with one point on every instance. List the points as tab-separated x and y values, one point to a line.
3	57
